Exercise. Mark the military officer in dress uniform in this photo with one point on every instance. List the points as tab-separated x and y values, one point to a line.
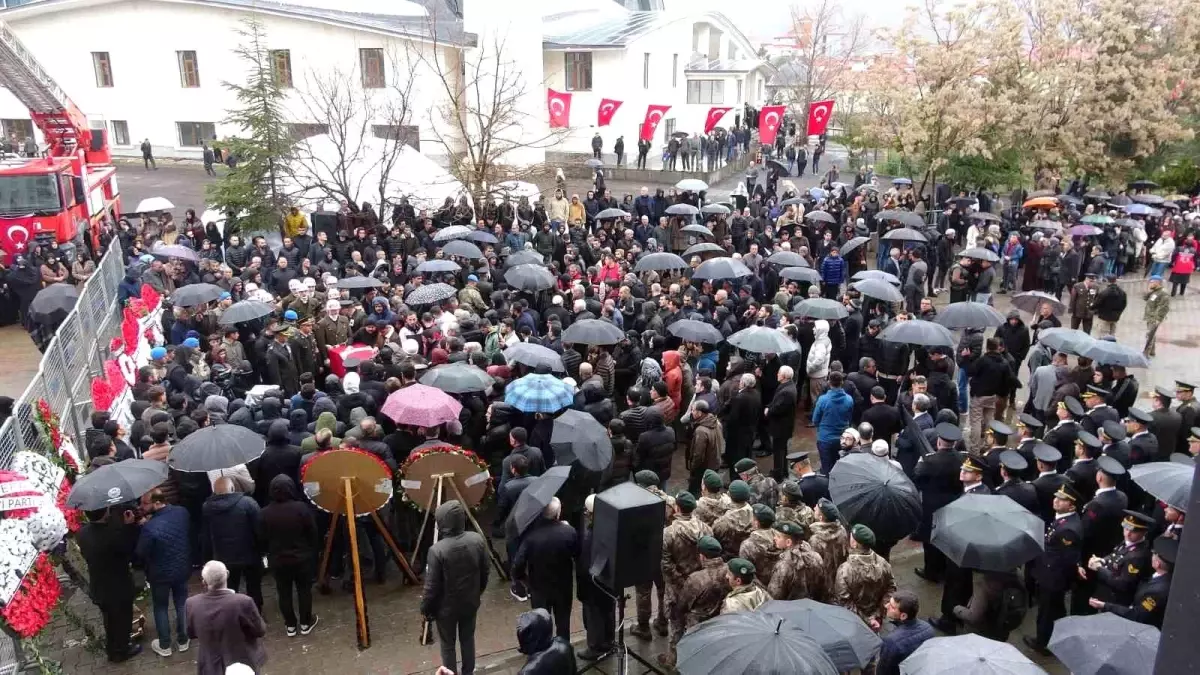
1150	602
1029	433
959	580
1056	567
1083	470
1062	434
1101	518
1167	425
814	485
1012	467
1188	409
1143	445
1048	480
1193	448
996	439
1112	437
1119	574
1097	410
937	478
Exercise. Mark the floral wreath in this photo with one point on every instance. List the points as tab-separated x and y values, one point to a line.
29	610
49	425
364	453
446	449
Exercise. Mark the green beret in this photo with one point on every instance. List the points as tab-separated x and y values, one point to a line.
790	528
739	491
712	481
686	501
863	535
764	514
742	569
792	488
829	511
646	478
709	547
745	464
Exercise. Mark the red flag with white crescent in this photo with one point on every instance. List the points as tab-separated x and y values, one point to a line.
714	116
654	115
819	113
770	118
608	108
558	104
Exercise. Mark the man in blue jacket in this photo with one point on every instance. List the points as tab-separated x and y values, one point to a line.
909	632
163	550
832	415
1011	256
833	273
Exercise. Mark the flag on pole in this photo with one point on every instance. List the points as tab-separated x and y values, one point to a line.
819	113
769	120
559	105
714	116
654	115
608	108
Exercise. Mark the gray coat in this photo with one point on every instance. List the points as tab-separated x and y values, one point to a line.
457	569
1041	386
229	629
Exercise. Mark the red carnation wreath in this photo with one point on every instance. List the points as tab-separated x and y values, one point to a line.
29	610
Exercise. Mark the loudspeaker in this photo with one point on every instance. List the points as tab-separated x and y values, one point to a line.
627	533
324	221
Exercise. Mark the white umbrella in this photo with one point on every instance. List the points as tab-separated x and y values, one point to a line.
152	204
691	185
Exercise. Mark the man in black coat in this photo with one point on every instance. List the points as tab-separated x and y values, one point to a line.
864	381
1065	430
1012	465
936	476
456	574
1082	473
814	486
1098	410
281	364
227	533
884	418
1048	480
1143	445
1167	424
781	420
1101	518
740	421
1056	567
107	543
959	581
1149	603
545	561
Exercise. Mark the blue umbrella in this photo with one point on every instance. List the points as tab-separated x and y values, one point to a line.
1139	210
817	193
539	394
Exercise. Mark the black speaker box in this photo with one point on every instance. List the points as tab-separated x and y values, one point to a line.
325	221
627	533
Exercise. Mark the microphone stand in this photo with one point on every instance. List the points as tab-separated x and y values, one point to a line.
620	650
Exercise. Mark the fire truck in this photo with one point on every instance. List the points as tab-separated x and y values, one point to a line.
66	194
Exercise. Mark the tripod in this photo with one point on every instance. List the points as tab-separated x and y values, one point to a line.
621	650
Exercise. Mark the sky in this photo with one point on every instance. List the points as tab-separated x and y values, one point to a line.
771	18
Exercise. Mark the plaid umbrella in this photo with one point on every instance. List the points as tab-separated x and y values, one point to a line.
539	393
421	406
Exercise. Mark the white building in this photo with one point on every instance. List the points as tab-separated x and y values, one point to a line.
156	68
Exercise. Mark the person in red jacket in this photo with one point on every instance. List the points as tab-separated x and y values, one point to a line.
673	376
1183	266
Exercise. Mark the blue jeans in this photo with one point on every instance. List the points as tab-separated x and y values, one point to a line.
160	595
963	401
1157	268
828	450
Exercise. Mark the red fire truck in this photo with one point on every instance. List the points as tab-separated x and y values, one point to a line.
66	194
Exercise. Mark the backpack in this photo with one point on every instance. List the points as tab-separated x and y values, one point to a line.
1012	607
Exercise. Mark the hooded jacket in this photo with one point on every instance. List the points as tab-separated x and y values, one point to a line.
130	287
325	420
272	409
817	365
548	655
216	406
655	445
456	571
673	375
387	315
596	404
287	528
228	529
297	426
832	414
279	458
708	444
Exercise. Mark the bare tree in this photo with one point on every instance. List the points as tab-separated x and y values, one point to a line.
829	43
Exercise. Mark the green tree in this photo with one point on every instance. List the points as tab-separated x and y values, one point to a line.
254	191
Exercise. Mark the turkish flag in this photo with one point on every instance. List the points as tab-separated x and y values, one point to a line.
559	105
608	108
819	113
654	115
769	120
714	116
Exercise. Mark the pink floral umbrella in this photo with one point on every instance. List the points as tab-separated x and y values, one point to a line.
421	406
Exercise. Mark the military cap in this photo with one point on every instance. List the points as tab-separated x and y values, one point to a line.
1164	392
1137	521
1194	434
306	321
764	514
1068	492
1013	460
1140	416
686	501
712	481
1088	439
1073	405
863	535
1044	452
829	510
709	546
1027	420
998	427
1114	430
347	302
948	432
745	464
797	457
275	327
792	488
973	463
1093	391
1166	548
1110	465
645	478
1090	275
742	569
790	528
1180	385
739	491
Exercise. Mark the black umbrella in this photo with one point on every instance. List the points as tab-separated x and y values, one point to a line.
702	248
872	491
777	165
1143	184
427	294
846	640
903	234
1069	340
196	294
462	249
245	310
787	259
1104	644
1098	195
853	244
969	314
876	274
878	289
658	262
437	265
987	217
822	308
524	258
1168	482
697	229
968	654
610	214
979	254
1029	301
174	251
988	532
593	332
750	642
358	282
762	340
691	330
578	437
529	277
906	218
452	232
537	495
1107	353
223	446
1152	200
457	378
534	356
801	274
116	483
483	237
721	268
918	332
53	303
1120	200
820	217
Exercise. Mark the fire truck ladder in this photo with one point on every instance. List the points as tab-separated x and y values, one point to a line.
58	118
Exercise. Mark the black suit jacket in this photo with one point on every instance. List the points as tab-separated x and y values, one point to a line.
1056	566
885	419
1167	426
781	413
281	368
1096	417
936	476
1143	448
1062	436
1083	478
1149	603
1020	492
1122	571
815	487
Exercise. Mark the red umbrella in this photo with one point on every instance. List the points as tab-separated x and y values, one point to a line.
421	406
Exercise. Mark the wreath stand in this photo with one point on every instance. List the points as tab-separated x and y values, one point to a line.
429	481
349	483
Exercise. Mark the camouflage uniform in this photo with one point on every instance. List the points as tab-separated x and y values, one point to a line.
679	559
759	548
1158	304
864	583
704	592
732	528
642	591
832	543
798	574
763	489
745	598
802	514
708	509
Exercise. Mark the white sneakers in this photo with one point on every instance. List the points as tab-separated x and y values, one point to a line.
166	651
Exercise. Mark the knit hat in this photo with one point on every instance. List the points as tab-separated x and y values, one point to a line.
646	478
686	501
739	491
829	511
709	547
742	569
863	535
744	464
712	481
764	515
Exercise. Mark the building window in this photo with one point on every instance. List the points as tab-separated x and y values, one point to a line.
21	129
103	68
733	52
281	67
706	91
302	130
674	71
194	134
579	71
371	62
407	134
120	132
646	70
189	70
668	128
739	92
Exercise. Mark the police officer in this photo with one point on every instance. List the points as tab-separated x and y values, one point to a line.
1056	566
1188	409
1083	470
1029	433
1150	602
1112	437
1168	424
1097	410
1012	467
1119	574
1143	445
996	440
1101	519
1062	434
1048	480
937	478
815	486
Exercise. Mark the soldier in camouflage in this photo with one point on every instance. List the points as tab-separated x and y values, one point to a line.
648	480
799	573
864	582
745	594
1158	305
680	558
792	506
759	548
713	501
763	489
732	528
829	539
704	592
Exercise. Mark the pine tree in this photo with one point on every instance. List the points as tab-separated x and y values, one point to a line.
253	192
